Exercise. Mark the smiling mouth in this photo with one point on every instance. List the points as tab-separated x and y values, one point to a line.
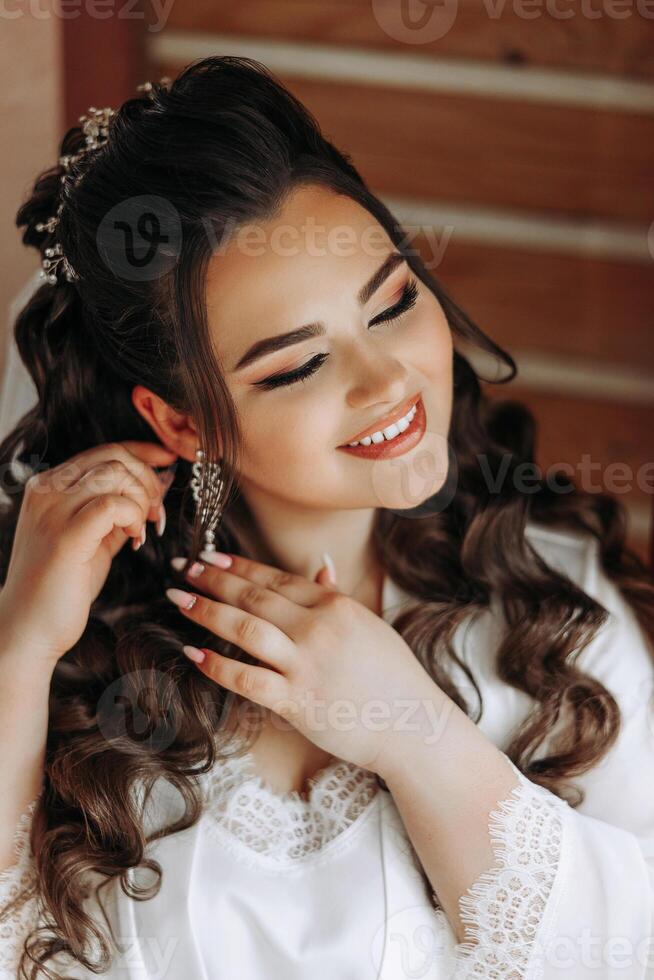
388	428
409	436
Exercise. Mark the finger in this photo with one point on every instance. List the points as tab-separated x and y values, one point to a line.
296	588
258	684
262	602
150	453
140	462
256	636
100	516
111	477
324	578
331	568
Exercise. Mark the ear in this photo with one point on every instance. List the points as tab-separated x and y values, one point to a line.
177	432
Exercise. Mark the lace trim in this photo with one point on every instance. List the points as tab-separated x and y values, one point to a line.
504	908
285	827
15	925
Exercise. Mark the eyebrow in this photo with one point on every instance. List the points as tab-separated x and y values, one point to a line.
318	329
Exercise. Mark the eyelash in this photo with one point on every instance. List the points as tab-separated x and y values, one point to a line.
406	302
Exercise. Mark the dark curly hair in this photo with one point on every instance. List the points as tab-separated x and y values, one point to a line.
225	144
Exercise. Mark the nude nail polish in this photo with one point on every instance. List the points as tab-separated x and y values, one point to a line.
329	562
193	653
185	600
161	520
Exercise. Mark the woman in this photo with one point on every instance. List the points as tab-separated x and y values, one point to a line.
435	763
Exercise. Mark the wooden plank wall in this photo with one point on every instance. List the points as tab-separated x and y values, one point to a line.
520	137
102	61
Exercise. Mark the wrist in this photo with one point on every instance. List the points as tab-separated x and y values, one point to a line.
19	647
415	733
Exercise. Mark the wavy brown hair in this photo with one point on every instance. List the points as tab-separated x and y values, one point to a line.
225	144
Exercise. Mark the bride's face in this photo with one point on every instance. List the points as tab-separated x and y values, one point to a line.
298	312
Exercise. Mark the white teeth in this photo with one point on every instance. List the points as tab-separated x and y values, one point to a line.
389	432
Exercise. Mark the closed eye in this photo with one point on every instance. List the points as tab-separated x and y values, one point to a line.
406	302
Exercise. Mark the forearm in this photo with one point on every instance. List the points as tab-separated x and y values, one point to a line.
24	696
444	785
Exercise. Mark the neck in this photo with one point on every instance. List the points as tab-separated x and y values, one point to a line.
294	539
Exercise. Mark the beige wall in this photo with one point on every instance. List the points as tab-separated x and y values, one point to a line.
30	109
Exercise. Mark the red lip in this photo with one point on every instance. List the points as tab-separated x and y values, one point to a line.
387	420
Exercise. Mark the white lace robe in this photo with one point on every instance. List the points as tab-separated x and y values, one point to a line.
269	886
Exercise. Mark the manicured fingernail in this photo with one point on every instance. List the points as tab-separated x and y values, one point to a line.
193	653
137	542
329	562
185	600
217	558
161	521
195	570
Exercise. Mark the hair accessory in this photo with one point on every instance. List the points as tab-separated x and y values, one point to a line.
213	475
148	88
95	126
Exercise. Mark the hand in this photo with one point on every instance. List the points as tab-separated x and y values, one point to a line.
331	668
73	520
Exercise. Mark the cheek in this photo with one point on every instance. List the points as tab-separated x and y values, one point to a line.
281	432
433	359
432	342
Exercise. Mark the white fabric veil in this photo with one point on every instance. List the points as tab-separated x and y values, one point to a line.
18	393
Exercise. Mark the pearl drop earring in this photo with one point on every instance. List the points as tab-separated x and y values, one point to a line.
213	473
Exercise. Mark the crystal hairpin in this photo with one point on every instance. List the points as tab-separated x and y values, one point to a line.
148	89
95	126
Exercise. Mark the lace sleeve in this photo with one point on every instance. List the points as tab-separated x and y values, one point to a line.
503	910
18	921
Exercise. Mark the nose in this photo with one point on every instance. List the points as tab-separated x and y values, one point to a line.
380	380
